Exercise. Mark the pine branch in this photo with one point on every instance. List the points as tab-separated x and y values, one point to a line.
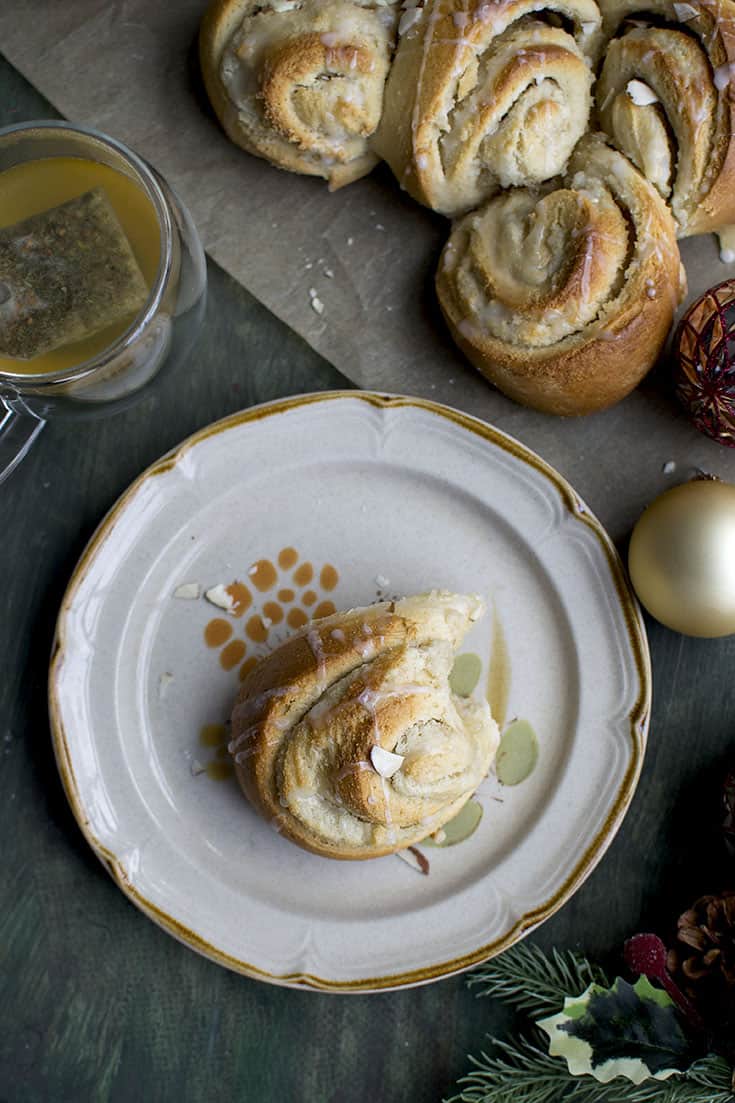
533	981
520	1068
716	1074
524	1073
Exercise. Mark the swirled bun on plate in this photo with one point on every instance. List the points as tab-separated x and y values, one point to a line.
348	738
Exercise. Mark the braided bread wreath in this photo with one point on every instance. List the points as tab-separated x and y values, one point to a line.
575	141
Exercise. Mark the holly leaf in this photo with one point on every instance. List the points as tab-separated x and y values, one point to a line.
628	1030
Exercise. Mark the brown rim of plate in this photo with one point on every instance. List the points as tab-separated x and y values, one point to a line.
638	716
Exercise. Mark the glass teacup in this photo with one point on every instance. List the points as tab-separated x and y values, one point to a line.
107	368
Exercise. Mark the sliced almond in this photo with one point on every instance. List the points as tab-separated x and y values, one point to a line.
188	591
221	597
640	93
685	12
385	762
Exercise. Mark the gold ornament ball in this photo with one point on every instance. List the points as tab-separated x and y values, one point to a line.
682	558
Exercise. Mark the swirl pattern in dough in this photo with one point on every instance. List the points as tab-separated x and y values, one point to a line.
664	96
484	96
300	82
564	299
315	716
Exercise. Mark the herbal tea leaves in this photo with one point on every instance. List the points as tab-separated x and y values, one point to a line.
67	273
633	1031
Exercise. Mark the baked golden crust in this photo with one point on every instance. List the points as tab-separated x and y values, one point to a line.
310	716
683	140
564	300
486	96
299	82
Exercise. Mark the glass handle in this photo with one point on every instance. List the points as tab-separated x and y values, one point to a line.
18	430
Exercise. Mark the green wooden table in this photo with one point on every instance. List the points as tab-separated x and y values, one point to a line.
98	1004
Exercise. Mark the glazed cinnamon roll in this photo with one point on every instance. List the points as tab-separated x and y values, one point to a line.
565	299
347	737
664	96
300	82
486	95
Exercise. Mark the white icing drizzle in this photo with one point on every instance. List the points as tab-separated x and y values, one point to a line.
723	75
369	699
589	252
428	32
365	648
249	708
353	768
315	643
390	830
727	244
296	795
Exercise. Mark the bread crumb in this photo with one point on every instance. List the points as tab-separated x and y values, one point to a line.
164	682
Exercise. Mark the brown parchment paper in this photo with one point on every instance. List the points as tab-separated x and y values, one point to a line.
129	67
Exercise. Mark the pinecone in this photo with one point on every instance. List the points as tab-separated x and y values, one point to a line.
706	933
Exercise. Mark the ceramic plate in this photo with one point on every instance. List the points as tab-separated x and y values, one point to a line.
310	503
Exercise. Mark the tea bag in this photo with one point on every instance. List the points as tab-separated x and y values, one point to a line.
65	274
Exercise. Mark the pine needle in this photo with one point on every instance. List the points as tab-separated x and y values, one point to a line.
519	1071
522	1073
530	980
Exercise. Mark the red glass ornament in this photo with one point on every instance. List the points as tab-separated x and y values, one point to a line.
705	363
